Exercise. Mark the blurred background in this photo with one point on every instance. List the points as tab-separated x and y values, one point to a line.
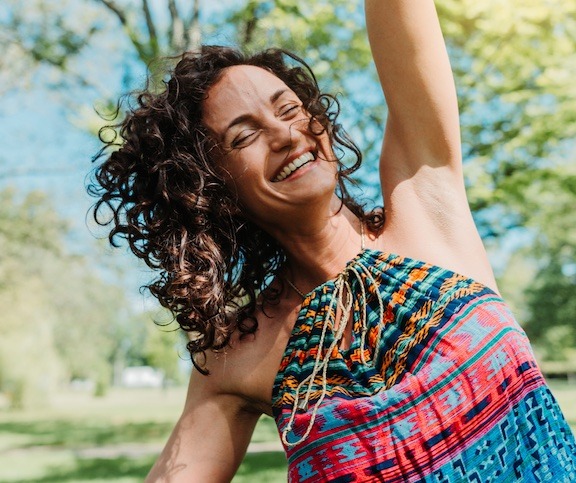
92	371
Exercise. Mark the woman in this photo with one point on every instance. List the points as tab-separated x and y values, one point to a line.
375	366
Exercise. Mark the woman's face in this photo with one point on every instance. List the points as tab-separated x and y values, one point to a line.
269	156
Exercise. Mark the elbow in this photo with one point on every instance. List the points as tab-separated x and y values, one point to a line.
424	144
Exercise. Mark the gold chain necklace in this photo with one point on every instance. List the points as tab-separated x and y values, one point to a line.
296	289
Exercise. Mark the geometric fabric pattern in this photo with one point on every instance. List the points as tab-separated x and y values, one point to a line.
446	388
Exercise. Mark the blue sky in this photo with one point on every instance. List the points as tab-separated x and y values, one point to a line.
44	149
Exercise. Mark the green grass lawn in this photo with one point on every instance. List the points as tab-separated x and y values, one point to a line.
80	438
116	438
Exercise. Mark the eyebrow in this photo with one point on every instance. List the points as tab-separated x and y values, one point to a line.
240	119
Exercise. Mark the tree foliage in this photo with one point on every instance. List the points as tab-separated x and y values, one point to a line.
551	295
165	346
552	306
514	64
55	312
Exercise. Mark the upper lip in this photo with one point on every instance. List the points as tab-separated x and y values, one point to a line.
292	157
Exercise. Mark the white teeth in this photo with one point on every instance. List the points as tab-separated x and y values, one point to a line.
294	165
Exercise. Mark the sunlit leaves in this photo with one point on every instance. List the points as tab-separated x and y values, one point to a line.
514	63
56	313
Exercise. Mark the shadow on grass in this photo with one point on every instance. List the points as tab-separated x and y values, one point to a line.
96	469
258	463
256	468
76	433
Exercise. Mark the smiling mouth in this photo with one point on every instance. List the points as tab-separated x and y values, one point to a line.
294	166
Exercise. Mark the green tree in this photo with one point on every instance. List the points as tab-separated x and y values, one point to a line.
514	65
58	317
29	363
513	62
548	204
164	348
552	306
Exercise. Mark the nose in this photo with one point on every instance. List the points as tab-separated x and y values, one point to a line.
285	133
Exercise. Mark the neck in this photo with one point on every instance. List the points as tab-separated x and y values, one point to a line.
317	249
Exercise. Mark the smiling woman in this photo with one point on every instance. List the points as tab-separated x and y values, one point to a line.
175	187
378	341
275	157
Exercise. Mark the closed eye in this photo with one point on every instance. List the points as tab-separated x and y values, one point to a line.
244	138
290	110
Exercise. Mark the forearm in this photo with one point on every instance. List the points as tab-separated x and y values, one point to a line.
414	70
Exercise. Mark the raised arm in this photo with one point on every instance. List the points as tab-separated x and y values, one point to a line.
414	70
427	213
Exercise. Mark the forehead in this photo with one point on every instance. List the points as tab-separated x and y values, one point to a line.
243	89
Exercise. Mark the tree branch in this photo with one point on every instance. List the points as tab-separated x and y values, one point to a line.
176	30
193	32
251	22
140	46
116	10
150	26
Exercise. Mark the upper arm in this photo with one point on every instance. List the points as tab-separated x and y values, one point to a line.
414	70
210	438
427	212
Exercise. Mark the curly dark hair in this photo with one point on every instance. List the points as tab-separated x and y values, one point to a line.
158	187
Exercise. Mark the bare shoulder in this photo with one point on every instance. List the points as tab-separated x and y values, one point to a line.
247	367
222	408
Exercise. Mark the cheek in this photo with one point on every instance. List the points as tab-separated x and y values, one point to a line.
241	180
231	167
233	172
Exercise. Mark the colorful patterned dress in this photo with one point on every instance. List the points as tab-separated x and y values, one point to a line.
439	384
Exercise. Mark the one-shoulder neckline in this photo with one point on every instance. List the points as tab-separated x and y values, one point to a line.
387	256
366	253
